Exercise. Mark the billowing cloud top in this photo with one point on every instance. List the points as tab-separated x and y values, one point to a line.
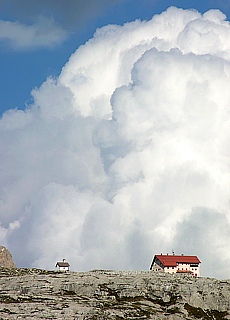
126	154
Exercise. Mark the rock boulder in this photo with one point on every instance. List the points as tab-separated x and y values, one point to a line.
6	259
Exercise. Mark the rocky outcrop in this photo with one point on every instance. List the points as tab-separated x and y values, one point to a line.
100	294
6	258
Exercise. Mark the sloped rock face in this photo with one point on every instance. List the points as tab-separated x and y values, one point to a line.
40	294
6	258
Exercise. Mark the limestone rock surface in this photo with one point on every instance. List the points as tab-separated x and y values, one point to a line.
101	294
6	259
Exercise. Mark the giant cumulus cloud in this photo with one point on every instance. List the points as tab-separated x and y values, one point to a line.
126	154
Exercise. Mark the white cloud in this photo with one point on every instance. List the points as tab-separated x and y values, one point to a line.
197	231
43	33
46	24
71	14
126	154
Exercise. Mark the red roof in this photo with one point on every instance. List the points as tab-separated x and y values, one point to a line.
173	260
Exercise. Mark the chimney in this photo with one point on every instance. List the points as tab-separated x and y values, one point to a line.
63	260
182	254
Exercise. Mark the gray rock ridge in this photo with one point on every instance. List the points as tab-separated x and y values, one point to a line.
6	259
108	294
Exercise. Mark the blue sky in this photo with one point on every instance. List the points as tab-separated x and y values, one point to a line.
25	64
